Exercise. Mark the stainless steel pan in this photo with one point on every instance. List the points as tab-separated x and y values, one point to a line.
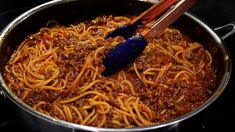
69	11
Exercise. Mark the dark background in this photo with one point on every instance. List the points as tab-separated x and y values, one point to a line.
219	116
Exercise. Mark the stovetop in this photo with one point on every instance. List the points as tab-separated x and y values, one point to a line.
219	116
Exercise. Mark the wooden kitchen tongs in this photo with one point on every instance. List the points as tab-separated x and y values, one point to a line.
161	15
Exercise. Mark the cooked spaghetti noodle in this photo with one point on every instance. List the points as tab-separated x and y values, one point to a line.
57	71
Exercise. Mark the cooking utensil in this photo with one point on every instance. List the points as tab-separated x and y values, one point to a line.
147	16
126	52
69	11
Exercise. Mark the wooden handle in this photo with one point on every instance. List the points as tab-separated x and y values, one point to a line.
168	18
155	11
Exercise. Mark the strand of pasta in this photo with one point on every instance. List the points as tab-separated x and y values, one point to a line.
81	95
88	117
128	105
210	57
183	72
137	72
148	81
130	86
101	104
174	57
78	113
136	108
163	71
150	71
68	113
42	83
77	80
86	87
57	108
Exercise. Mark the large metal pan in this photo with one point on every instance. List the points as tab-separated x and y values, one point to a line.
69	11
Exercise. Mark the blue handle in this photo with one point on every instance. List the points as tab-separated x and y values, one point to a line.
124	54
125	31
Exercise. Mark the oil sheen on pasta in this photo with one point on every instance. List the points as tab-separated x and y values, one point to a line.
57	71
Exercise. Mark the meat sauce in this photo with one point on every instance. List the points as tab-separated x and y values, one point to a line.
160	90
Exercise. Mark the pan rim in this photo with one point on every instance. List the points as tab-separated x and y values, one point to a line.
74	126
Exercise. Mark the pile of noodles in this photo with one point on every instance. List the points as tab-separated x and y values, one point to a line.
58	71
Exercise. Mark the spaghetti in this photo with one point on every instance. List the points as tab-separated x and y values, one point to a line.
57	71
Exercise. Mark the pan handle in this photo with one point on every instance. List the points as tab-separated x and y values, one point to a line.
226	31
